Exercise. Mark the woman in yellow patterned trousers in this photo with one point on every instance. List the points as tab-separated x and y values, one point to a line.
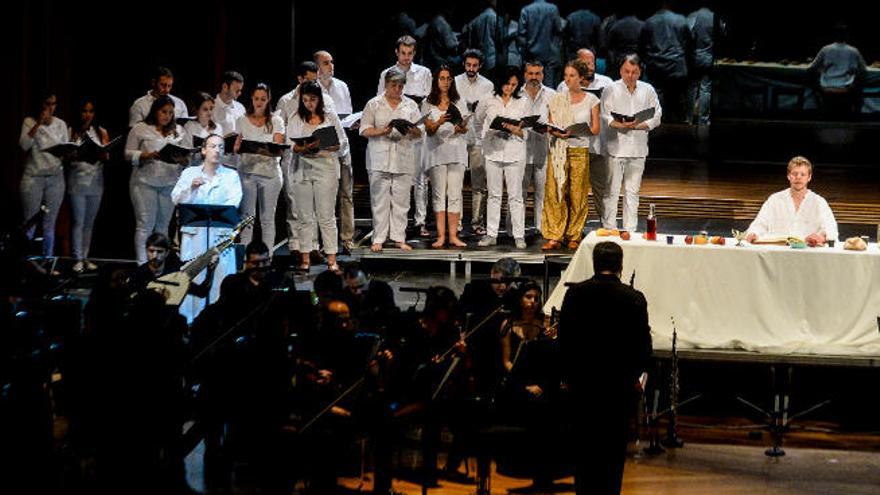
568	164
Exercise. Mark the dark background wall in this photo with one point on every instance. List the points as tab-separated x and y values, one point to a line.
109	50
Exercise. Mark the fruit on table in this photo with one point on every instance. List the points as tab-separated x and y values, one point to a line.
625	235
688	239
701	239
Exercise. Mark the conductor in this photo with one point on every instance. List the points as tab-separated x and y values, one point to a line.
603	318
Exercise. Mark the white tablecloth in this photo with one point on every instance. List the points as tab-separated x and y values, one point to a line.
761	298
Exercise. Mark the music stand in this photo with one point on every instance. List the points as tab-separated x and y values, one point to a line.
200	215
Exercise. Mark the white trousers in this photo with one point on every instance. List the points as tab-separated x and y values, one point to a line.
316	210
420	187
627	170
259	191
193	242
288	164
389	200
84	209
477	167
446	183
535	174
599	185
346	202
49	189
499	174
152	213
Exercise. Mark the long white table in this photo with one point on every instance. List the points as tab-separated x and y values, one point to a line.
771	299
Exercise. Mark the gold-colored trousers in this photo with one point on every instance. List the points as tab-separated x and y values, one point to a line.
564	217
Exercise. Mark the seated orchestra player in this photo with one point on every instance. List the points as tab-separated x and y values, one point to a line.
795	211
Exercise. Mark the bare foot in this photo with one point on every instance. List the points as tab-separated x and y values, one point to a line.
404	246
376	248
455	241
439	243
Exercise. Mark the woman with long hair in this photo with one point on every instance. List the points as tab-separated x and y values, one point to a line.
153	179
315	175
505	153
43	178
204	125
260	175
445	153
568	173
85	185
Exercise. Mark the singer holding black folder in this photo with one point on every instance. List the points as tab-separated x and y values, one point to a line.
627	140
203	126
391	159
568	172
446	153
315	174
43	178
260	175
85	185
505	151
153	179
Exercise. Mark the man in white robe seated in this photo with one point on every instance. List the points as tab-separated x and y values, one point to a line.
795	212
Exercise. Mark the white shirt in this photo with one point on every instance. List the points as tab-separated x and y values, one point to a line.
617	98
141	107
500	146
597	142
338	92
297	128
583	112
257	164
393	153
226	116
38	162
471	92
86	178
289	103
536	143
778	217
445	146
144	137
222	189
418	80
194	129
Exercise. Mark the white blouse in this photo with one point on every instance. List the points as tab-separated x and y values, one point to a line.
394	153
583	112
501	146
445	146
144	137
194	129
38	162
257	164
297	128
86	178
